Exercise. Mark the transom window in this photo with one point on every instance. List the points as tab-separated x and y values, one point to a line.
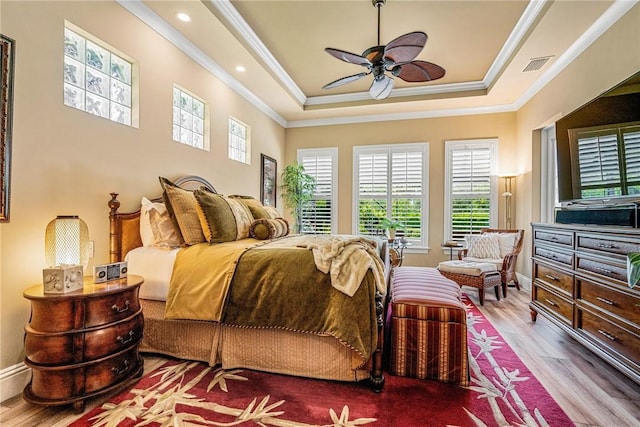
238	140
189	119
470	188
320	215
96	78
390	181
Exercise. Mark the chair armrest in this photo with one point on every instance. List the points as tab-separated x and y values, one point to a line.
462	253
509	261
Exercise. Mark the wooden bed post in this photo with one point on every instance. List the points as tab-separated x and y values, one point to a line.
377	378
114	229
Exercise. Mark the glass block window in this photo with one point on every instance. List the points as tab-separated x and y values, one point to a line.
188	119
470	188
391	181
238	141
96	79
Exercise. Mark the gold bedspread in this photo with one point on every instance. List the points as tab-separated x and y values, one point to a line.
274	287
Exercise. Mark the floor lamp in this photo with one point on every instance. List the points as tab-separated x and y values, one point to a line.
508	195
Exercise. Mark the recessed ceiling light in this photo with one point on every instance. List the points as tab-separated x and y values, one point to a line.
183	17
241	69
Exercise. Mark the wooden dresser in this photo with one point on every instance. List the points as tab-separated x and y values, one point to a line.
580	284
83	343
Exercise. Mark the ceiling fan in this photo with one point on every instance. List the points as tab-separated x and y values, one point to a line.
396	58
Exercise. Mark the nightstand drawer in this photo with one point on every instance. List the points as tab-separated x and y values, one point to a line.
80	346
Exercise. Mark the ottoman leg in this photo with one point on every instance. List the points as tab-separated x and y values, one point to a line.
481	295
497	289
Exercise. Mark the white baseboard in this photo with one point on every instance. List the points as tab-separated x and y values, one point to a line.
525	282
13	380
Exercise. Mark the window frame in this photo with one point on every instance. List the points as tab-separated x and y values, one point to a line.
450	147
421	244
205	118
333	153
247	140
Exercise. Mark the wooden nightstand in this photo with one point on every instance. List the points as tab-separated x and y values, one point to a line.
83	343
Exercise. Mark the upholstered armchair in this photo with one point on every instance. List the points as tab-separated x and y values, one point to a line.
496	246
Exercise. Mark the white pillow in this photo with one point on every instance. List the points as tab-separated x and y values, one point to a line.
156	227
507	241
483	246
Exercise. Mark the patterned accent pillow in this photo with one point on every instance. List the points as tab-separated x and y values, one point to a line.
223	219
156	226
183	209
258	210
507	241
483	246
266	228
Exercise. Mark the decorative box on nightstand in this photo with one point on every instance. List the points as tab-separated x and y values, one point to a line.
84	343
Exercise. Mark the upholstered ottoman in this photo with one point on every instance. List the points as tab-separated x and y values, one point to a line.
480	275
428	327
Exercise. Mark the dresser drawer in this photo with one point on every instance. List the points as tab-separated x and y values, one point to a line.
607	267
555	278
561	307
68	382
554	254
556	237
616	302
608	245
83	345
610	335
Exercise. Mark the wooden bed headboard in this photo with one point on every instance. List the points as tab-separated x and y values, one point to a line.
124	228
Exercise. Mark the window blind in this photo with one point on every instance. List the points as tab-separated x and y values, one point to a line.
318	216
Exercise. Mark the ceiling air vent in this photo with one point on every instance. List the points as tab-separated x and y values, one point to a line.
536	63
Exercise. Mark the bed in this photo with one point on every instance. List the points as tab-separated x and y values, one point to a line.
343	345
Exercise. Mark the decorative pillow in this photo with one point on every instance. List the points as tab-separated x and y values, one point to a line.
483	246
156	226
223	219
267	228
507	242
258	210
183	208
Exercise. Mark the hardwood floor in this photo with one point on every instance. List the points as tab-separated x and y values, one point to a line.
590	391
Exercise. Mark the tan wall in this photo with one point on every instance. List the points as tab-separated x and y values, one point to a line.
66	161
611	59
434	131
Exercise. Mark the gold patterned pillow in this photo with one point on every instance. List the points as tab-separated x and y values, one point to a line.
267	228
183	209
483	246
223	219
258	210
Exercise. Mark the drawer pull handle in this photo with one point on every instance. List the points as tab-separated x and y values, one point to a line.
125	339
124	369
606	246
603	270
550	277
550	302
606	301
607	335
117	309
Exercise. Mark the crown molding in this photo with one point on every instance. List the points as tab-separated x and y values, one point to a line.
149	17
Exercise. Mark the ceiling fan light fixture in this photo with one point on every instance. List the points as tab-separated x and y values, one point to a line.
397	58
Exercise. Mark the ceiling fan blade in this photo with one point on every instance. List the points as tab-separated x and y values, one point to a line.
345	80
405	48
349	57
419	71
381	87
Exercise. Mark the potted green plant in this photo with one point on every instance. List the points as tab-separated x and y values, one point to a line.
390	225
297	190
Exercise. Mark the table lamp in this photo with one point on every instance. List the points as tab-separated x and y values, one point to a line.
66	253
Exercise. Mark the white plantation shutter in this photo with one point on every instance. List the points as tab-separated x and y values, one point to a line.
470	187
319	216
390	182
631	141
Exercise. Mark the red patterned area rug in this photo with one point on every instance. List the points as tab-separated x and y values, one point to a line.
503	392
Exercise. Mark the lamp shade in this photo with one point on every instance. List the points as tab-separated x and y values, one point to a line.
67	241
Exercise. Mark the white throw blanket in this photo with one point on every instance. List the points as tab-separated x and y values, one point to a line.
345	257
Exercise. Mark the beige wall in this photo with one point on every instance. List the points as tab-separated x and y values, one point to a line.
433	131
66	161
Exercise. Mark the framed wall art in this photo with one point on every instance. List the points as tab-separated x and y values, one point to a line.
268	178
7	47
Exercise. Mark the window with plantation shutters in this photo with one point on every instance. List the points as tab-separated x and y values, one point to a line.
391	182
470	187
608	160
319	217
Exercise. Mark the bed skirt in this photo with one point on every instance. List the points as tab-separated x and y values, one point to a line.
269	350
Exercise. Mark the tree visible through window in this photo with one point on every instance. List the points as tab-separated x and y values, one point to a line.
470	187
391	182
